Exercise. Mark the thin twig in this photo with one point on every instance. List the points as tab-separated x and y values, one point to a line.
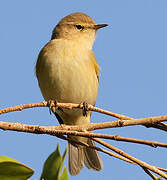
155	122
108	152
149	173
44	130
62	105
96	148
61	130
137	161
150	123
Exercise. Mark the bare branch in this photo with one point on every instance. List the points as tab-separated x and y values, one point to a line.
62	105
149	173
82	130
137	161
97	148
148	122
63	130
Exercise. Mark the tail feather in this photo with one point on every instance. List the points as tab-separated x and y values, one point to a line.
92	158
75	159
78	156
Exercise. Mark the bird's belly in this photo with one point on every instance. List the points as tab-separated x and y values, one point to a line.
70	81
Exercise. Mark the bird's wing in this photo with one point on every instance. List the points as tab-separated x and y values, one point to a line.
96	66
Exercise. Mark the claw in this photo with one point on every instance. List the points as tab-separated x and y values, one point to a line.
52	106
84	108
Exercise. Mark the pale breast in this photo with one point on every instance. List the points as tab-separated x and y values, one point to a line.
67	74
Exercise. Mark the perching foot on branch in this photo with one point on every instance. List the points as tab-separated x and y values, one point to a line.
84	108
52	105
52	108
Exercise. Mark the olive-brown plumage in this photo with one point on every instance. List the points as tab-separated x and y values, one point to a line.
67	71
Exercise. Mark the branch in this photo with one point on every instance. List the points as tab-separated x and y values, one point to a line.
62	105
94	147
63	130
44	130
149	173
148	122
137	161
81	130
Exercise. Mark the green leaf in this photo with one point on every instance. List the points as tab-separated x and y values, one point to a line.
11	169
53	166
64	175
63	158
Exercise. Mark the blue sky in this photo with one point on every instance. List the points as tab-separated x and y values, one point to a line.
133	58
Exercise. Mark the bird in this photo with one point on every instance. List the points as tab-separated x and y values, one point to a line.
67	72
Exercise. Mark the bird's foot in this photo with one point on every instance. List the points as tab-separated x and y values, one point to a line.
62	126
52	106
84	108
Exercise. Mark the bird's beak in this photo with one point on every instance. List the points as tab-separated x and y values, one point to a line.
98	26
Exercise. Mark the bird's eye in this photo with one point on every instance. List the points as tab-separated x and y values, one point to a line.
79	27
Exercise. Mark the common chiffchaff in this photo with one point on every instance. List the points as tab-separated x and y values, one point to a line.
67	72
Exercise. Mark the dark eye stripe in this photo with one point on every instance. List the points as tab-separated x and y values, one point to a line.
79	27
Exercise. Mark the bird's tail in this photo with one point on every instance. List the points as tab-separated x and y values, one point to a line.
78	156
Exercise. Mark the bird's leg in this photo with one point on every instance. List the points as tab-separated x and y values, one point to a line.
84	108
52	106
